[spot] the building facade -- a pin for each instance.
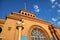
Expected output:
(24, 25)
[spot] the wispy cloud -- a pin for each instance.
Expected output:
(52, 1)
(58, 11)
(54, 19)
(36, 8)
(58, 5)
(53, 6)
(58, 23)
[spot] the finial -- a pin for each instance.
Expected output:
(25, 5)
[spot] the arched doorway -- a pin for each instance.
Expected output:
(37, 33)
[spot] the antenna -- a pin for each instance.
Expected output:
(25, 5)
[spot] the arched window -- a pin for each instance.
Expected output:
(25, 13)
(28, 14)
(31, 15)
(38, 33)
(22, 13)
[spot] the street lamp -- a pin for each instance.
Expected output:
(20, 27)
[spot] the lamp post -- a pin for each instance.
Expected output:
(20, 28)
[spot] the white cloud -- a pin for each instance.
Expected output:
(54, 19)
(53, 6)
(58, 23)
(52, 1)
(58, 5)
(58, 11)
(36, 8)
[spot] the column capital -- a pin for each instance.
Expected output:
(20, 26)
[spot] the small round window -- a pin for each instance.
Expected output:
(22, 13)
(25, 13)
(37, 34)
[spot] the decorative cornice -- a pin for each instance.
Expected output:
(2, 21)
(31, 18)
(17, 16)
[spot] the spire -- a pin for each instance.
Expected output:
(25, 5)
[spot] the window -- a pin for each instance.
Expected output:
(28, 14)
(0, 29)
(37, 34)
(9, 28)
(25, 14)
(31, 15)
(22, 13)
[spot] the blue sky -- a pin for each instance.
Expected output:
(44, 9)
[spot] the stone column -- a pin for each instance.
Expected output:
(20, 31)
(20, 28)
